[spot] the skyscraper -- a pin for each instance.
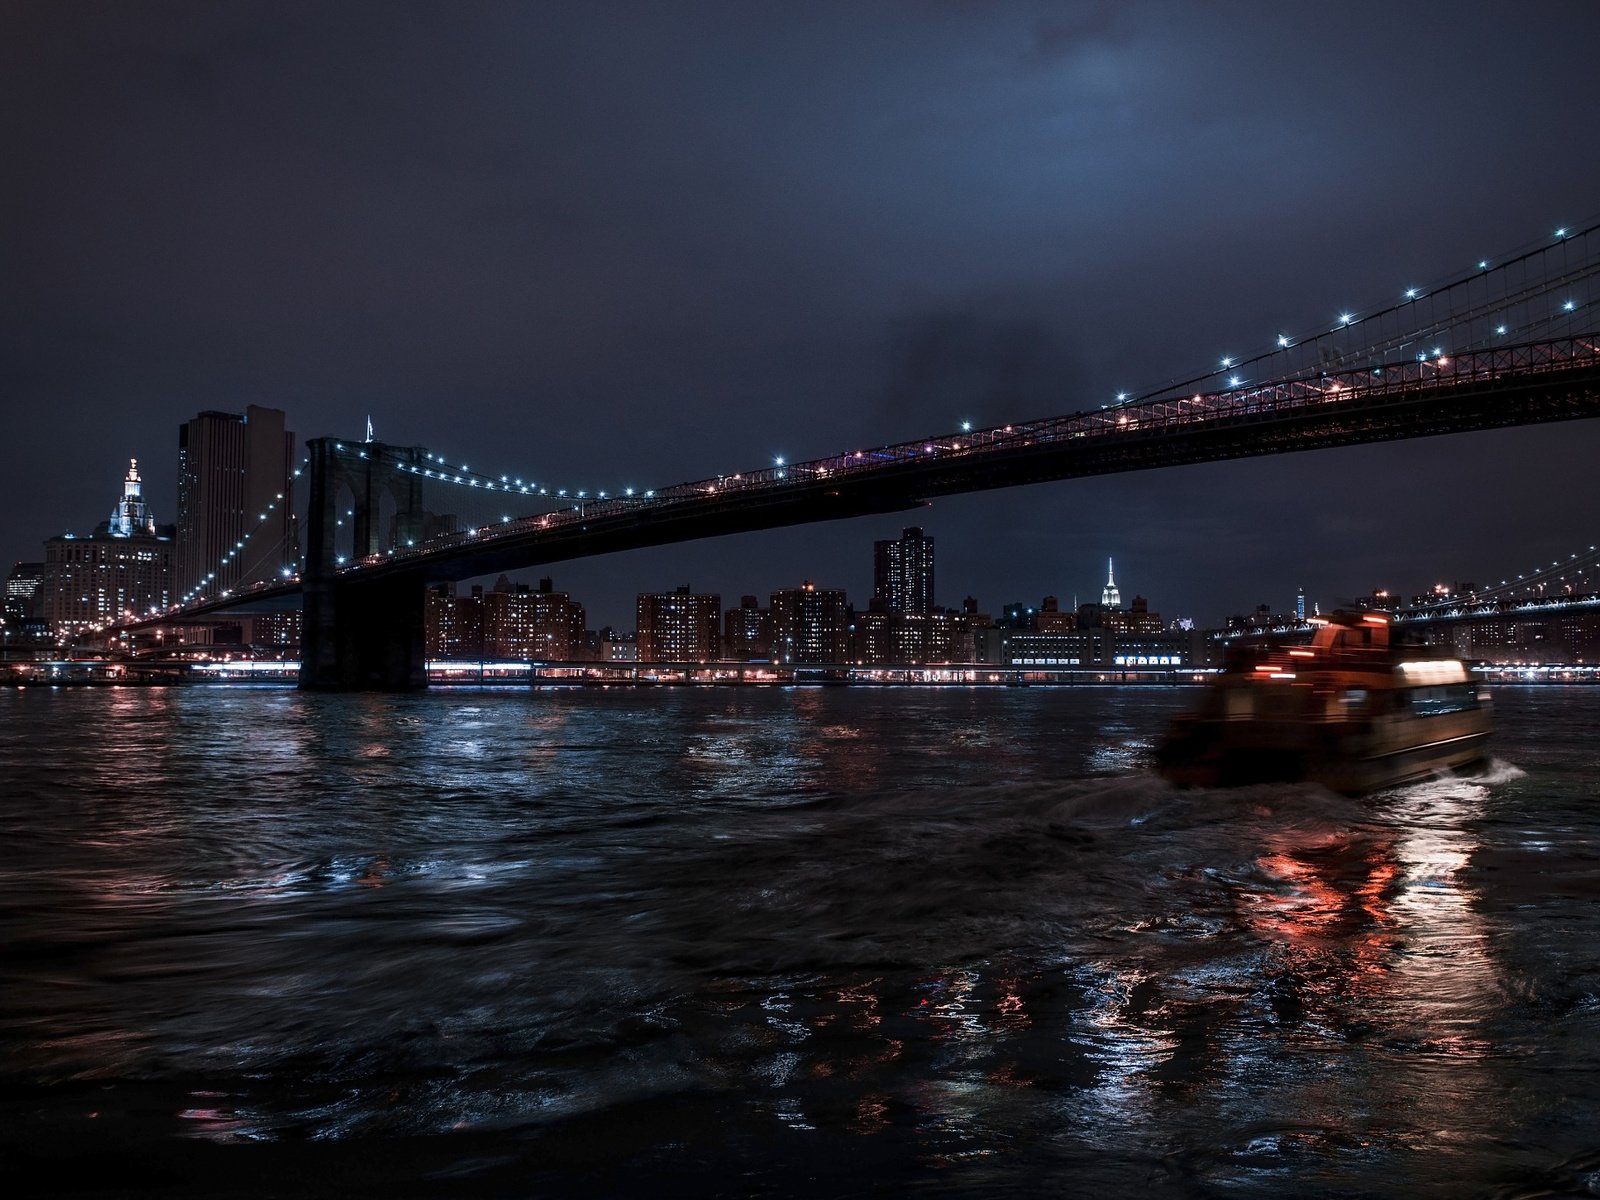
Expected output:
(124, 566)
(902, 575)
(234, 477)
(1110, 597)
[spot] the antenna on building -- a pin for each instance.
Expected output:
(1110, 597)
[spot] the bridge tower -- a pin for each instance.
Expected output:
(362, 634)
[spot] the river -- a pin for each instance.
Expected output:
(785, 942)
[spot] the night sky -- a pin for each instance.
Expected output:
(620, 244)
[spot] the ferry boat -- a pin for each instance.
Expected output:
(1356, 710)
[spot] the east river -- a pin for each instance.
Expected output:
(811, 942)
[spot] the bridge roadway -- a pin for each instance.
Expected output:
(364, 619)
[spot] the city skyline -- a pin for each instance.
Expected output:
(678, 272)
(873, 594)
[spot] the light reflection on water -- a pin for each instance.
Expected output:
(813, 939)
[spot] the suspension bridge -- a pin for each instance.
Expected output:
(1510, 341)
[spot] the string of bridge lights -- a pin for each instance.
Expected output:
(1534, 581)
(236, 551)
(1347, 319)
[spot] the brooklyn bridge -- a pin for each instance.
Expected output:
(1510, 342)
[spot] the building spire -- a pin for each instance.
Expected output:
(131, 516)
(1110, 597)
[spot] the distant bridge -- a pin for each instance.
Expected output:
(1513, 342)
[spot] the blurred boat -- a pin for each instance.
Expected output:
(1356, 710)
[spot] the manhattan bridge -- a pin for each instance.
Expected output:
(1508, 341)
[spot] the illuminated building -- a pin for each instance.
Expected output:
(123, 567)
(526, 625)
(1300, 604)
(747, 632)
(453, 625)
(679, 626)
(231, 468)
(1109, 596)
(810, 625)
(1136, 618)
(902, 573)
(280, 630)
(21, 585)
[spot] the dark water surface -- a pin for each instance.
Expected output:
(778, 942)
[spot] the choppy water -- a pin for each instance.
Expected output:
(778, 942)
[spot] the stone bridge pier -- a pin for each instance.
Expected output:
(361, 634)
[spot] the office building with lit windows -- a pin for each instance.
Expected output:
(902, 573)
(679, 626)
(21, 586)
(529, 625)
(234, 477)
(747, 632)
(810, 625)
(123, 568)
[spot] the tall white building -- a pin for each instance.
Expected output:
(1110, 597)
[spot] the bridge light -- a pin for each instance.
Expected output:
(778, 461)
(1226, 363)
(1562, 232)
(966, 427)
(1500, 329)
(1234, 381)
(1121, 396)
(1483, 264)
(340, 559)
(1569, 306)
(1346, 318)
(1411, 293)
(629, 491)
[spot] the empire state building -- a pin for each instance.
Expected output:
(1109, 596)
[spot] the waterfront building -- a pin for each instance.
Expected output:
(452, 624)
(522, 624)
(124, 567)
(231, 468)
(810, 625)
(747, 632)
(902, 574)
(619, 647)
(679, 626)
